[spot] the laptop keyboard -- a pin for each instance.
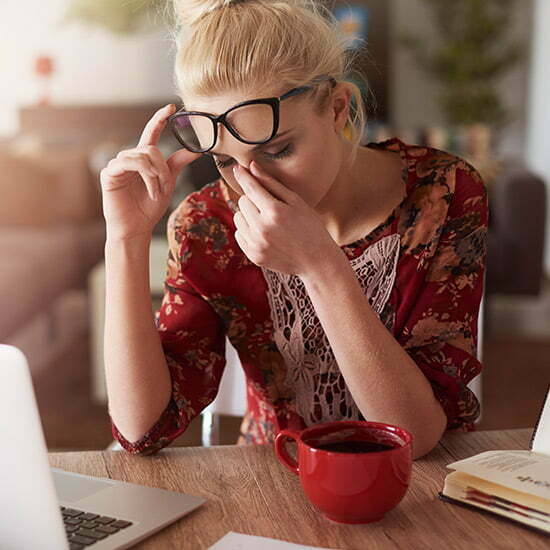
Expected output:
(84, 529)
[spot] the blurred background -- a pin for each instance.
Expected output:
(79, 80)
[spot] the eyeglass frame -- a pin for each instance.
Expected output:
(274, 102)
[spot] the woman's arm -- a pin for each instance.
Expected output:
(385, 382)
(419, 382)
(417, 379)
(164, 368)
(137, 376)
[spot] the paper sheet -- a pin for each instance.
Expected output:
(238, 541)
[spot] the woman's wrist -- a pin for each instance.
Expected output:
(326, 269)
(128, 243)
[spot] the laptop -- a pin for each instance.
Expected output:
(47, 508)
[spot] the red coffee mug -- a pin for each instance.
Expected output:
(350, 487)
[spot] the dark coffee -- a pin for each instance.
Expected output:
(354, 446)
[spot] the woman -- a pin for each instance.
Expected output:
(348, 277)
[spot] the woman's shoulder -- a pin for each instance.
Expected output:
(434, 168)
(212, 199)
(209, 206)
(438, 180)
(443, 190)
(465, 191)
(202, 222)
(430, 166)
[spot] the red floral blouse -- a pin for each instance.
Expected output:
(422, 270)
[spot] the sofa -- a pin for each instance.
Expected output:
(516, 239)
(52, 233)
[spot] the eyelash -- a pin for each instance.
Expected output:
(284, 153)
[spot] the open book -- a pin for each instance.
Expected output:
(513, 484)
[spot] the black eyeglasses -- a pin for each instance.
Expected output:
(253, 121)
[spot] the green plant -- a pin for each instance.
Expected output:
(472, 54)
(118, 16)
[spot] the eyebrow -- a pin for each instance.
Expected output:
(259, 146)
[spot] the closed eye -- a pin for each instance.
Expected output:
(280, 154)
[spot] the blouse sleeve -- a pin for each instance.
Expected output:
(193, 339)
(441, 332)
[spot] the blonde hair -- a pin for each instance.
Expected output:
(247, 45)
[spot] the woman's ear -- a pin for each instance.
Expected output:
(340, 105)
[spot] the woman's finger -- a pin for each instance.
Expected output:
(131, 163)
(154, 127)
(261, 198)
(273, 185)
(255, 191)
(250, 212)
(146, 159)
(242, 242)
(242, 226)
(159, 164)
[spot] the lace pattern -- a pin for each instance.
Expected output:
(321, 392)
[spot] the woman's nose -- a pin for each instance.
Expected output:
(240, 152)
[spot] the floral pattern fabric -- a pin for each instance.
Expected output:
(213, 291)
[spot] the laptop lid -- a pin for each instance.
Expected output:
(30, 498)
(29, 510)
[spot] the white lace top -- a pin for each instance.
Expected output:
(321, 393)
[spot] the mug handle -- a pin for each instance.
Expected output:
(282, 452)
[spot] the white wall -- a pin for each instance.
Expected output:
(538, 142)
(92, 65)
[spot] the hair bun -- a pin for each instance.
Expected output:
(188, 12)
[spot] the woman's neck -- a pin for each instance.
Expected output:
(363, 194)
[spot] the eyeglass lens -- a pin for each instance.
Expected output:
(251, 122)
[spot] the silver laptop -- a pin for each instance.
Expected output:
(46, 508)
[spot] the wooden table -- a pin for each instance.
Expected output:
(248, 491)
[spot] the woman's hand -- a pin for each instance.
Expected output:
(138, 184)
(276, 228)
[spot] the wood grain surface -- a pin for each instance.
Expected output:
(249, 491)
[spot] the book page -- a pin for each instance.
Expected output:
(524, 471)
(541, 436)
(239, 541)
